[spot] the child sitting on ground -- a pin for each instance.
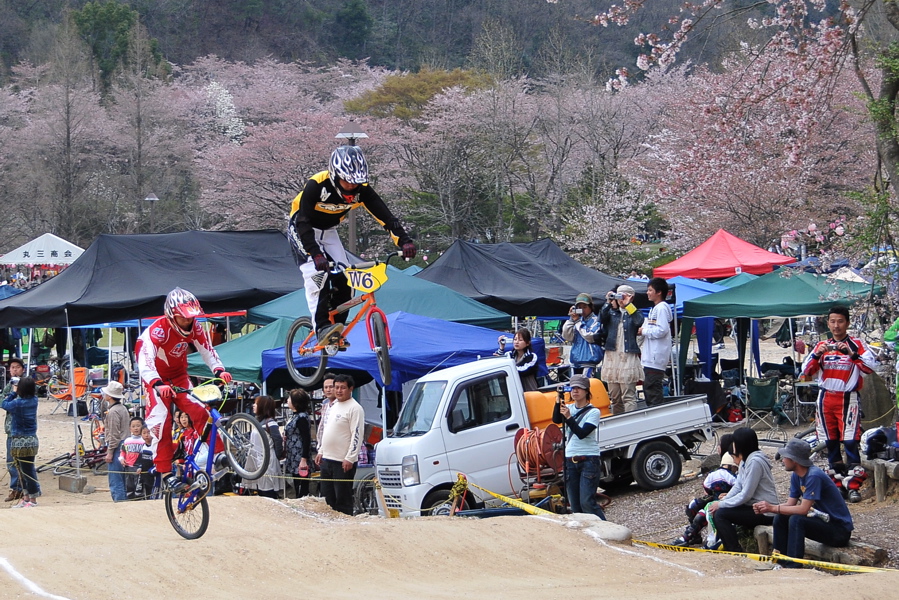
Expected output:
(129, 455)
(716, 485)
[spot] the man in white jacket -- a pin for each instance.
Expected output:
(656, 332)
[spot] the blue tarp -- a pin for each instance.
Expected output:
(9, 290)
(419, 345)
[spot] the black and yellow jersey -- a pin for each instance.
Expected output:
(319, 206)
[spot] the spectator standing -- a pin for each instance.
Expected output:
(338, 454)
(815, 508)
(755, 483)
(582, 466)
(145, 470)
(132, 446)
(270, 482)
(298, 442)
(838, 365)
(621, 368)
(328, 398)
(21, 403)
(656, 352)
(16, 370)
(583, 330)
(524, 357)
(116, 424)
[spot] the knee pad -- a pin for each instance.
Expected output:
(855, 478)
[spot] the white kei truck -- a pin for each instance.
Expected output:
(464, 419)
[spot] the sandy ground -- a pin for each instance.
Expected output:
(82, 546)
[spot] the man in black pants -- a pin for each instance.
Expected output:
(338, 453)
(814, 510)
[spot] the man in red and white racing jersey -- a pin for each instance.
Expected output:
(838, 364)
(162, 361)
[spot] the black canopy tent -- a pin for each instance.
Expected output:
(532, 279)
(122, 277)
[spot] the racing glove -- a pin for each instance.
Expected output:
(165, 392)
(409, 250)
(321, 262)
(223, 375)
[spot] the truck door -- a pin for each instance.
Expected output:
(480, 426)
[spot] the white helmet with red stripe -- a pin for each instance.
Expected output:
(183, 304)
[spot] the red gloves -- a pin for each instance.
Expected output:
(409, 250)
(224, 375)
(165, 392)
(321, 262)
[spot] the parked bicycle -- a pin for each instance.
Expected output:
(64, 464)
(188, 510)
(302, 342)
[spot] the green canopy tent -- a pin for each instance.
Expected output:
(737, 280)
(781, 294)
(401, 293)
(242, 356)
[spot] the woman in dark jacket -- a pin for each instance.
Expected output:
(21, 404)
(524, 357)
(298, 441)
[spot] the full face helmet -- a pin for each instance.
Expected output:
(348, 164)
(183, 304)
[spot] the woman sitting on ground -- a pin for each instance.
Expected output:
(755, 483)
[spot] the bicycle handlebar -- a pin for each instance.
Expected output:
(367, 264)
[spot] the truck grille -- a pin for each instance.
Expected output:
(393, 503)
(390, 479)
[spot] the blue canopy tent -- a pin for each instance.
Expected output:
(420, 345)
(9, 290)
(400, 293)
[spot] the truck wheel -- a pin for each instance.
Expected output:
(439, 504)
(656, 465)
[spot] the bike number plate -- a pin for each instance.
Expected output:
(367, 280)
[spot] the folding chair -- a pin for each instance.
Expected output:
(762, 403)
(63, 392)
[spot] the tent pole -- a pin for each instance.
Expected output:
(74, 401)
(28, 358)
(109, 356)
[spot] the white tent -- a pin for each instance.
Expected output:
(47, 249)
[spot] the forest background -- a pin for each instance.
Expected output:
(488, 120)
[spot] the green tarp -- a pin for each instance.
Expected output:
(242, 356)
(780, 294)
(401, 293)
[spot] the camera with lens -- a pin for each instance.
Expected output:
(832, 348)
(578, 311)
(14, 381)
(563, 388)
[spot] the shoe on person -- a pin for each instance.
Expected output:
(14, 495)
(855, 496)
(221, 461)
(24, 504)
(330, 334)
(174, 484)
(681, 541)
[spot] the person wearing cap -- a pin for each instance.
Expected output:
(583, 330)
(715, 485)
(117, 425)
(16, 370)
(815, 508)
(582, 466)
(621, 368)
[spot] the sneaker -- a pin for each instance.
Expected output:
(174, 484)
(14, 495)
(221, 461)
(855, 496)
(330, 334)
(24, 504)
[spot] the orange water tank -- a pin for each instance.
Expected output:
(540, 404)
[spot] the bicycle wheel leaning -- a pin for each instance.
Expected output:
(248, 460)
(54, 462)
(382, 348)
(189, 516)
(300, 341)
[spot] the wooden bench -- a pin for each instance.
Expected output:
(856, 553)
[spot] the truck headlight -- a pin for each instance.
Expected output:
(410, 471)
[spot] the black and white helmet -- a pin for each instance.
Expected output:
(348, 163)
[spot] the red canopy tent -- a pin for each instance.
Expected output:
(722, 255)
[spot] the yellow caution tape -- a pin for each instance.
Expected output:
(516, 503)
(776, 557)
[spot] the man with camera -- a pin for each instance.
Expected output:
(582, 466)
(621, 369)
(583, 330)
(838, 365)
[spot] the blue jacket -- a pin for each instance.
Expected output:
(580, 334)
(24, 414)
(610, 319)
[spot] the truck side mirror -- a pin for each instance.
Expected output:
(457, 420)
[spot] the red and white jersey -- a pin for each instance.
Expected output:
(837, 372)
(162, 351)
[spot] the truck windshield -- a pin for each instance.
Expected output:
(419, 410)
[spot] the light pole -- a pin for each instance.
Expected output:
(351, 132)
(152, 199)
